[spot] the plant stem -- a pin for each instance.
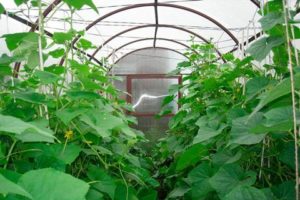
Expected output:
(290, 66)
(92, 148)
(125, 182)
(10, 153)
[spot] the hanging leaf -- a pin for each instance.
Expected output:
(58, 53)
(46, 77)
(80, 95)
(262, 47)
(103, 123)
(285, 191)
(50, 184)
(18, 127)
(256, 85)
(31, 97)
(271, 19)
(245, 193)
(241, 131)
(62, 37)
(191, 156)
(287, 155)
(85, 44)
(68, 114)
(19, 2)
(103, 182)
(2, 9)
(147, 194)
(229, 177)
(205, 133)
(280, 90)
(198, 178)
(9, 187)
(78, 4)
(5, 71)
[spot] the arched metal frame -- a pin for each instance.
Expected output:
(155, 4)
(154, 25)
(145, 39)
(145, 48)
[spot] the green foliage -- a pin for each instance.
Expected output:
(2, 9)
(62, 126)
(78, 4)
(51, 184)
(241, 115)
(65, 134)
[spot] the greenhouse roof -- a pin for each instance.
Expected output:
(123, 26)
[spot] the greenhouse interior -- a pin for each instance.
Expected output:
(149, 99)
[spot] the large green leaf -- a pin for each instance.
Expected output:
(79, 95)
(9, 187)
(178, 192)
(68, 114)
(2, 9)
(31, 97)
(256, 85)
(78, 4)
(62, 37)
(49, 184)
(285, 191)
(280, 90)
(271, 19)
(245, 193)
(20, 2)
(199, 178)
(13, 40)
(46, 77)
(54, 154)
(124, 192)
(191, 156)
(102, 181)
(18, 128)
(278, 119)
(287, 154)
(205, 133)
(57, 53)
(140, 175)
(241, 131)
(262, 47)
(230, 176)
(147, 194)
(102, 122)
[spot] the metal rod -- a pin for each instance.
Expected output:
(154, 25)
(144, 39)
(145, 48)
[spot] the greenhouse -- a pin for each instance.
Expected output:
(149, 99)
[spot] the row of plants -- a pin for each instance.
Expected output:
(64, 133)
(235, 136)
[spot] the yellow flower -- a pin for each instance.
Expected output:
(69, 135)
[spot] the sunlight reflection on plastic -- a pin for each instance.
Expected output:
(144, 96)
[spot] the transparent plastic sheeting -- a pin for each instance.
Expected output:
(148, 94)
(238, 16)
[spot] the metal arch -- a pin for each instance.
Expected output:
(166, 5)
(156, 22)
(145, 48)
(144, 39)
(255, 2)
(154, 25)
(160, 5)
